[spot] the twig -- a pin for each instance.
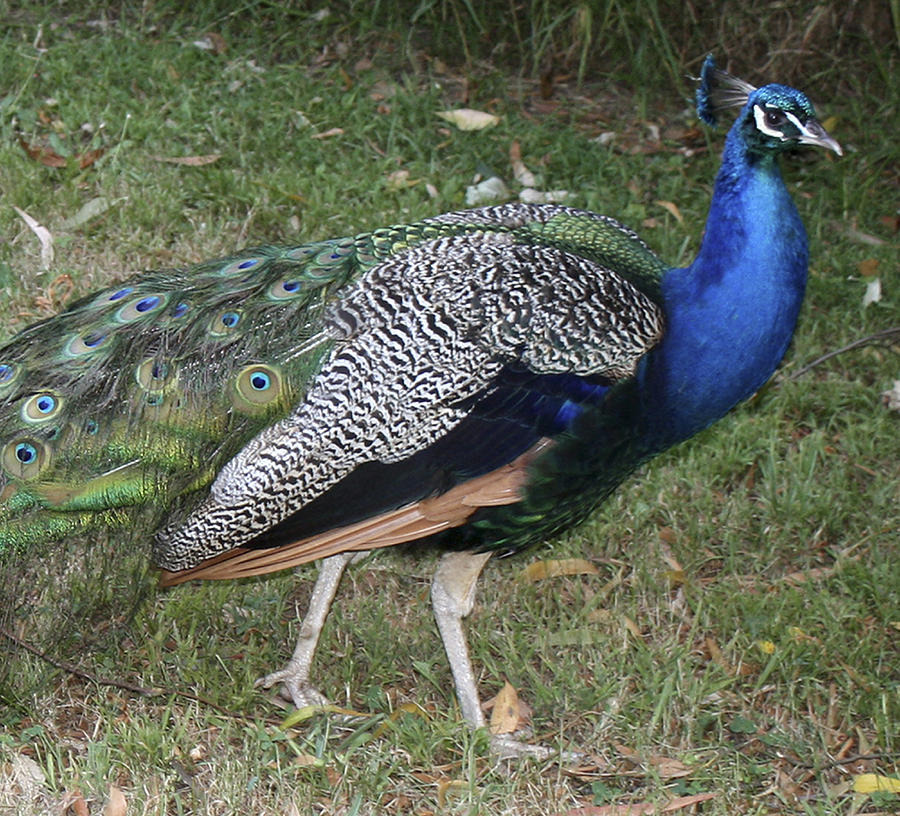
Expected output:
(883, 336)
(71, 668)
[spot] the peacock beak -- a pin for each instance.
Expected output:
(812, 133)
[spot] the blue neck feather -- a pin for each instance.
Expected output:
(731, 313)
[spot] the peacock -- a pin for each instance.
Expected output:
(481, 380)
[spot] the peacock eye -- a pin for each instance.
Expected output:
(775, 118)
(256, 388)
(24, 458)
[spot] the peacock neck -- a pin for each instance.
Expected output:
(731, 313)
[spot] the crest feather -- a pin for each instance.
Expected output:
(719, 90)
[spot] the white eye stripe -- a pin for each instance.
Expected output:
(795, 120)
(759, 114)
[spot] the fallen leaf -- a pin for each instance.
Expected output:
(90, 210)
(529, 196)
(73, 801)
(492, 189)
(327, 134)
(43, 235)
(542, 570)
(892, 222)
(505, 711)
(641, 808)
(468, 119)
(669, 768)
(59, 291)
(891, 399)
(872, 783)
(873, 292)
(861, 237)
(115, 803)
(211, 41)
(715, 654)
(520, 172)
(50, 158)
(190, 161)
(676, 577)
(27, 776)
(868, 268)
(632, 627)
(451, 787)
(302, 760)
(400, 180)
(672, 208)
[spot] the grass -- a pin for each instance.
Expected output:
(741, 636)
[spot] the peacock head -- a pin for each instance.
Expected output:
(773, 117)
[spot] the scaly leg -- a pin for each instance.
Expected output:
(295, 675)
(452, 597)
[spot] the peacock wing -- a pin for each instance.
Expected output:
(422, 342)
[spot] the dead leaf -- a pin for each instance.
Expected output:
(892, 222)
(669, 768)
(400, 180)
(468, 119)
(327, 134)
(59, 291)
(73, 801)
(520, 172)
(872, 783)
(115, 803)
(632, 627)
(530, 196)
(715, 654)
(190, 161)
(672, 208)
(542, 570)
(861, 237)
(211, 41)
(873, 292)
(50, 158)
(492, 189)
(90, 210)
(505, 711)
(25, 776)
(302, 760)
(868, 268)
(891, 399)
(43, 235)
(451, 787)
(641, 808)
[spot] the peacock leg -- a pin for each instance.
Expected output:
(452, 597)
(295, 676)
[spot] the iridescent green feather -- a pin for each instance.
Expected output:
(117, 415)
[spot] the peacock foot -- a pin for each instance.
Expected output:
(295, 687)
